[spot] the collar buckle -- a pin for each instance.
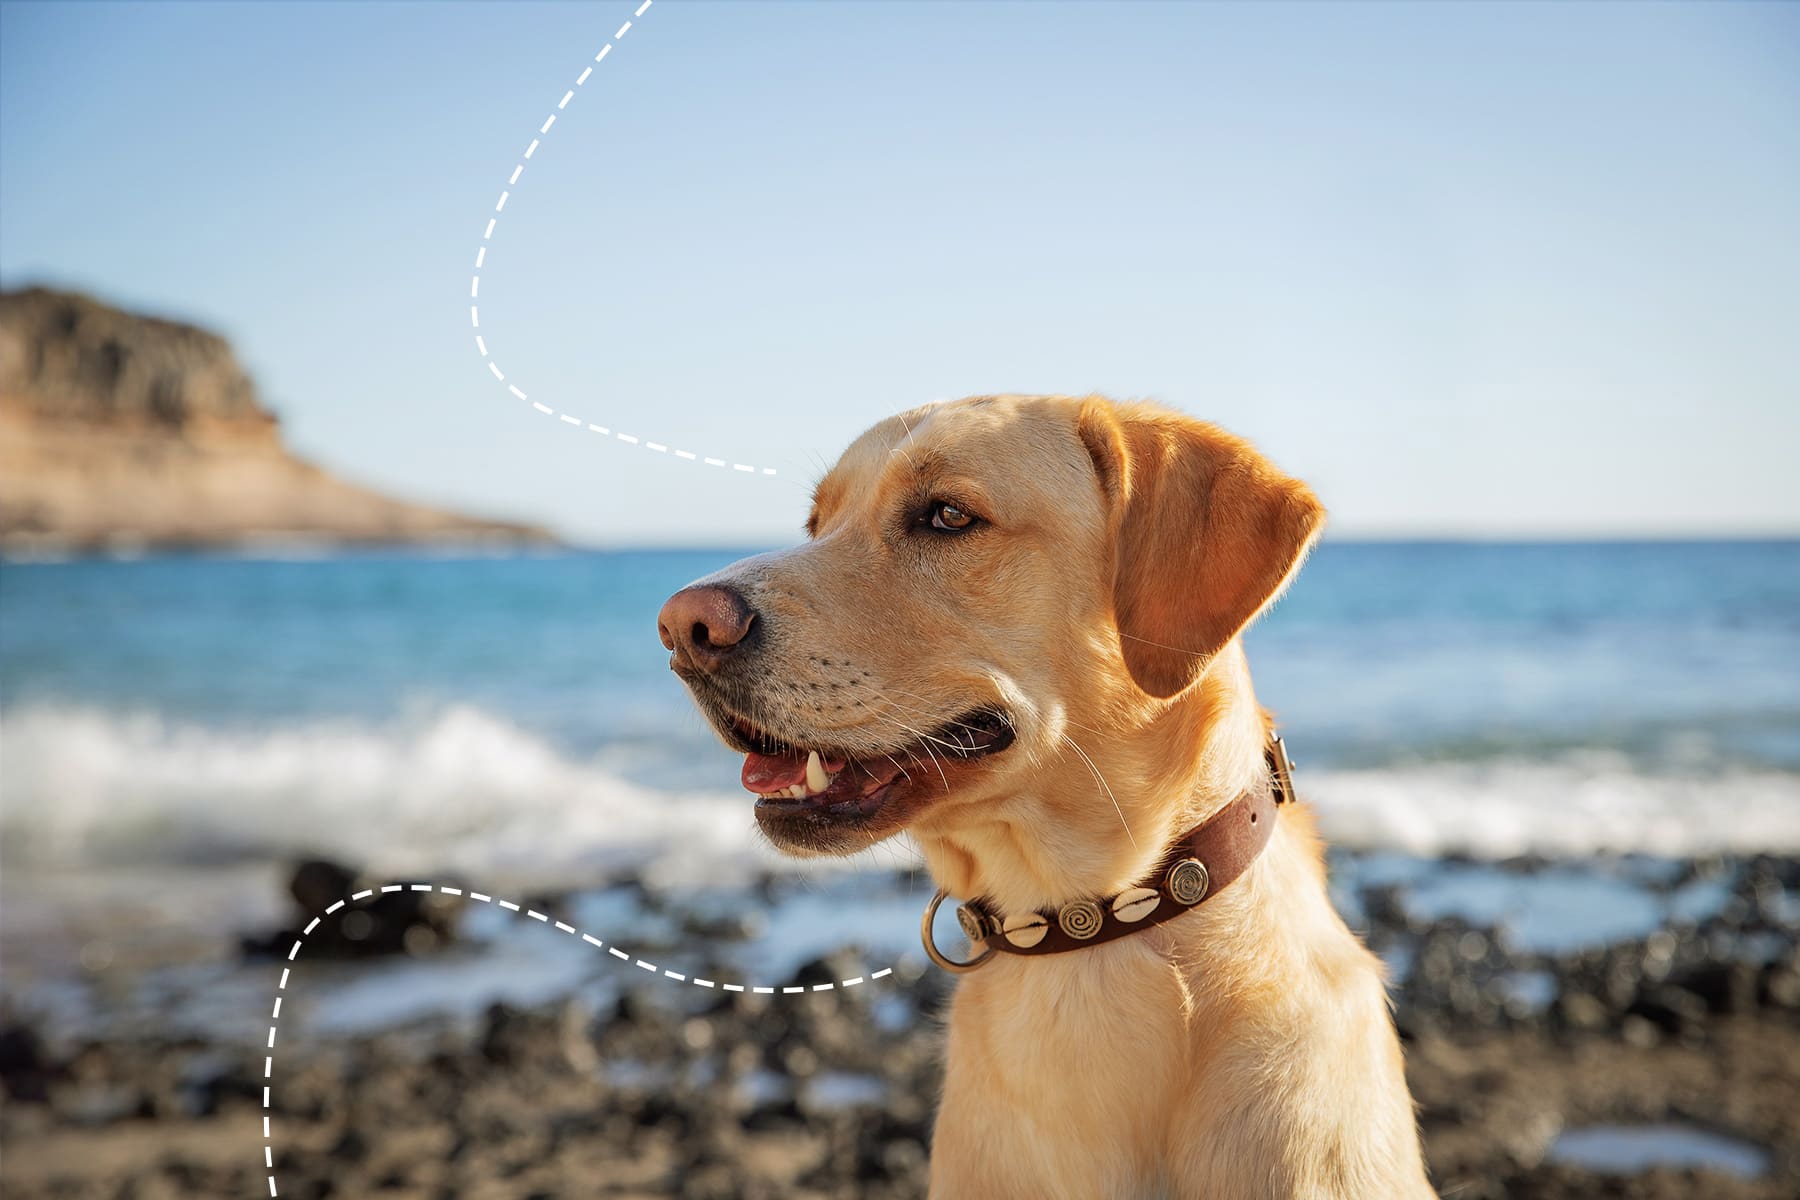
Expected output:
(1282, 770)
(965, 918)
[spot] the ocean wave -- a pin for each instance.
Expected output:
(1579, 803)
(457, 790)
(465, 790)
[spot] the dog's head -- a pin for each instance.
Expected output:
(979, 578)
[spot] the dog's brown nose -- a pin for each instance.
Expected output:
(703, 624)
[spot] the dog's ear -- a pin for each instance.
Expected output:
(1206, 533)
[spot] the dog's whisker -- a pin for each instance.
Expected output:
(1006, 717)
(925, 741)
(932, 755)
(898, 766)
(922, 737)
(901, 448)
(950, 723)
(1126, 825)
(1131, 637)
(889, 692)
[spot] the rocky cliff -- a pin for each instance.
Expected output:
(125, 431)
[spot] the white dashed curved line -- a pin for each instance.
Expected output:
(482, 897)
(481, 258)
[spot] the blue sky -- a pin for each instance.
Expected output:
(1479, 270)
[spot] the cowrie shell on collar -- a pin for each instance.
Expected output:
(1135, 904)
(1025, 930)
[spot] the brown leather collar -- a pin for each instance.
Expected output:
(1199, 866)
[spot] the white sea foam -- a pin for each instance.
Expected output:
(1570, 806)
(468, 791)
(461, 790)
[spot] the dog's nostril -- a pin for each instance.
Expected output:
(702, 624)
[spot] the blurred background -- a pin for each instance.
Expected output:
(299, 599)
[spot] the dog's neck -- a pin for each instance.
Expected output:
(1107, 812)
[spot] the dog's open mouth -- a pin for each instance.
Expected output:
(822, 780)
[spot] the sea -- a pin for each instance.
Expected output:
(175, 729)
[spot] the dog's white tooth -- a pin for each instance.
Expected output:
(816, 779)
(797, 792)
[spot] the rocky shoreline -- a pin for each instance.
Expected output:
(1534, 1069)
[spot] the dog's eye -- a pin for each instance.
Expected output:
(948, 518)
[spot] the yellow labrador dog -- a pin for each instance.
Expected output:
(1013, 633)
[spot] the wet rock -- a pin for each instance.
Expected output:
(716, 928)
(832, 969)
(407, 921)
(317, 884)
(777, 1114)
(1724, 987)
(1671, 1010)
(351, 1146)
(26, 1071)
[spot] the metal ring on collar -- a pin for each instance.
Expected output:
(938, 956)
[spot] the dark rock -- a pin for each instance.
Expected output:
(1724, 987)
(408, 921)
(352, 1146)
(832, 968)
(1670, 1009)
(317, 884)
(777, 1114)
(26, 1071)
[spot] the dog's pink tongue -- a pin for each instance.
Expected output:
(764, 773)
